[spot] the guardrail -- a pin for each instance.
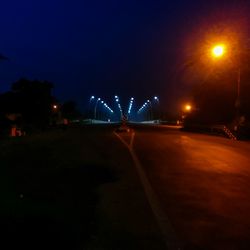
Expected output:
(229, 133)
(219, 129)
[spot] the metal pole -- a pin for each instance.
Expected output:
(89, 108)
(237, 102)
(238, 86)
(151, 111)
(96, 108)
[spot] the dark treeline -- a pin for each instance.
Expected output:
(216, 102)
(216, 99)
(30, 104)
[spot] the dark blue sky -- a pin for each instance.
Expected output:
(100, 47)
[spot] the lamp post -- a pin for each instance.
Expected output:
(151, 111)
(157, 109)
(156, 99)
(119, 107)
(188, 108)
(99, 99)
(92, 98)
(237, 102)
(130, 107)
(218, 51)
(185, 111)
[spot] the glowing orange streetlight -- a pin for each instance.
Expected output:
(188, 107)
(185, 111)
(218, 50)
(54, 106)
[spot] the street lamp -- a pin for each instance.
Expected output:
(119, 106)
(218, 51)
(188, 108)
(99, 99)
(151, 110)
(107, 111)
(130, 106)
(91, 99)
(157, 107)
(185, 111)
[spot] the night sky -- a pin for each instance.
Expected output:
(104, 47)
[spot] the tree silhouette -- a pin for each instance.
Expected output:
(34, 99)
(31, 99)
(69, 110)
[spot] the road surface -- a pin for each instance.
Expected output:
(152, 188)
(202, 184)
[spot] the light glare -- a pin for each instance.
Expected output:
(218, 50)
(188, 107)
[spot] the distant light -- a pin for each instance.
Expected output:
(148, 101)
(99, 99)
(92, 97)
(54, 106)
(156, 98)
(102, 101)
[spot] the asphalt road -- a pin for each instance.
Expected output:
(73, 189)
(149, 188)
(200, 184)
